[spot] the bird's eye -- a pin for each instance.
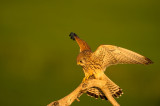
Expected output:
(80, 61)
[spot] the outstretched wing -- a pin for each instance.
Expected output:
(96, 92)
(109, 55)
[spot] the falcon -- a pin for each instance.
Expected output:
(95, 63)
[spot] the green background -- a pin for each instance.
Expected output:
(38, 59)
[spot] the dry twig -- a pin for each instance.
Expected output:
(82, 88)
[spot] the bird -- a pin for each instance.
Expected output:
(95, 63)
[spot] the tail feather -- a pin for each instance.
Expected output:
(73, 35)
(82, 44)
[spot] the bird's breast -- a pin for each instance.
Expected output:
(92, 69)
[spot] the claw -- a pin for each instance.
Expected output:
(87, 77)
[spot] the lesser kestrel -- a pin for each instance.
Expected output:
(95, 63)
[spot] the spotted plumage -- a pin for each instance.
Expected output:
(95, 63)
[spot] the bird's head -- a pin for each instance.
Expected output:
(85, 51)
(83, 58)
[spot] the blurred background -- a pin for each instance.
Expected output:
(38, 59)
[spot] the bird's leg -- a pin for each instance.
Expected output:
(89, 75)
(99, 74)
(85, 78)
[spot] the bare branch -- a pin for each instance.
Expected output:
(82, 88)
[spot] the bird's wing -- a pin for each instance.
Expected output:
(109, 55)
(96, 92)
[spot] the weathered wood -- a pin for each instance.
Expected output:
(82, 88)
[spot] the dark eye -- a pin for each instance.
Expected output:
(80, 61)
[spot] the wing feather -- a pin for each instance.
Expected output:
(109, 55)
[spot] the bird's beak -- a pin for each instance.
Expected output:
(78, 63)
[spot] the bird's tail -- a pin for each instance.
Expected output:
(96, 92)
(82, 44)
